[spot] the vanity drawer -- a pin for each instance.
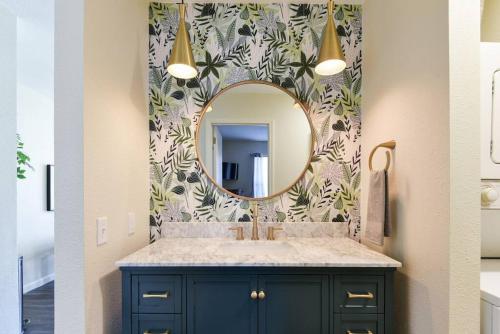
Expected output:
(358, 294)
(157, 294)
(359, 324)
(157, 324)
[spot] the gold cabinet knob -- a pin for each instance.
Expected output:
(253, 295)
(262, 295)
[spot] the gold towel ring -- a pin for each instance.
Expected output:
(389, 145)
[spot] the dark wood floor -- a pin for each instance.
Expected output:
(39, 308)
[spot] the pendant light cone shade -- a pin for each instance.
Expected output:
(331, 59)
(181, 63)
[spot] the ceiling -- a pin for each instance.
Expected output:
(244, 132)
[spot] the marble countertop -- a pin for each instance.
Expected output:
(289, 252)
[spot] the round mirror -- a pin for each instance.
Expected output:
(254, 140)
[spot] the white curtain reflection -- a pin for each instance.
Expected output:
(260, 177)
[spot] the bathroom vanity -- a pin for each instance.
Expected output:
(257, 133)
(295, 285)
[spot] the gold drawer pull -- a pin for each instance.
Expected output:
(367, 332)
(262, 295)
(163, 295)
(351, 295)
(165, 332)
(253, 295)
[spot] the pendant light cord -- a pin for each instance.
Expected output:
(331, 6)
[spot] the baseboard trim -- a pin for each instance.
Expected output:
(38, 283)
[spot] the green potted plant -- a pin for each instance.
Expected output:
(23, 160)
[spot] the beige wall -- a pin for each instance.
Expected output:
(116, 139)
(101, 154)
(465, 224)
(420, 75)
(490, 25)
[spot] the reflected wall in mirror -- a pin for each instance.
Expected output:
(254, 140)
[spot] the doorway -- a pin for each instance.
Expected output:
(32, 83)
(241, 158)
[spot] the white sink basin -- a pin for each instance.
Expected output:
(257, 247)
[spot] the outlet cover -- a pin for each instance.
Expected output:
(102, 231)
(131, 223)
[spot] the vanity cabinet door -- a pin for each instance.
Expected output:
(221, 304)
(293, 304)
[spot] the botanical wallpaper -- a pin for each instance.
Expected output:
(271, 42)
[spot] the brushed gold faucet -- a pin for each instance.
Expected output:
(239, 232)
(271, 232)
(255, 226)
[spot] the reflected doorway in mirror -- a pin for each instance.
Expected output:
(240, 158)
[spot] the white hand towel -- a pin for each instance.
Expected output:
(378, 223)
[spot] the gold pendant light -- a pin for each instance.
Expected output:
(331, 59)
(181, 63)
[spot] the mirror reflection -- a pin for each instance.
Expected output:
(254, 140)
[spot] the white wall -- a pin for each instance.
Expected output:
(35, 124)
(68, 139)
(102, 119)
(490, 62)
(421, 89)
(9, 302)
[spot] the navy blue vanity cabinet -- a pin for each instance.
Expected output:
(257, 300)
(221, 304)
(293, 304)
(156, 323)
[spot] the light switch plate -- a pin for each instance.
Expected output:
(102, 231)
(131, 223)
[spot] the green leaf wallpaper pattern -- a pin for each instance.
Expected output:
(271, 42)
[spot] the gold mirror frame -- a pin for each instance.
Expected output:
(197, 139)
